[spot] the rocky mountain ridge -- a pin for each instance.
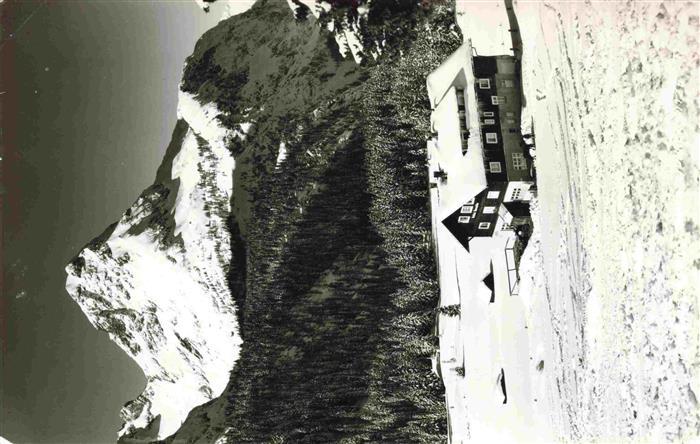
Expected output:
(261, 290)
(156, 280)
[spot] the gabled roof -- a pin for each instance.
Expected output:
(488, 281)
(461, 231)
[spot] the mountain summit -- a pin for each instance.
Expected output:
(276, 282)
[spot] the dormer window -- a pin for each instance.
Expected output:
(498, 100)
(484, 225)
(491, 138)
(484, 84)
(495, 167)
(464, 219)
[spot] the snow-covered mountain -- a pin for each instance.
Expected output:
(156, 280)
(291, 222)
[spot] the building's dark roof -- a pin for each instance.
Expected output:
(488, 281)
(464, 232)
(458, 231)
(485, 66)
(518, 208)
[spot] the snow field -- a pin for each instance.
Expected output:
(613, 90)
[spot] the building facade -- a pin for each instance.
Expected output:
(506, 160)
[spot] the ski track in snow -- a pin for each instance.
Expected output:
(613, 89)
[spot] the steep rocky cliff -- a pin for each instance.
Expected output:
(290, 297)
(156, 280)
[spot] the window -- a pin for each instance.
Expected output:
(493, 194)
(510, 114)
(516, 194)
(460, 99)
(489, 210)
(510, 121)
(508, 83)
(488, 114)
(489, 121)
(466, 209)
(484, 225)
(484, 83)
(513, 130)
(495, 167)
(491, 138)
(519, 161)
(464, 219)
(498, 100)
(471, 201)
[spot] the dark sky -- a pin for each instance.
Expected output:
(88, 98)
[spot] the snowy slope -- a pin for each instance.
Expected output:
(486, 337)
(603, 335)
(156, 281)
(613, 91)
(227, 8)
(346, 32)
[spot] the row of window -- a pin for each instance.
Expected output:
(469, 209)
(509, 114)
(467, 219)
(508, 121)
(519, 163)
(486, 83)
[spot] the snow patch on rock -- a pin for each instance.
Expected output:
(203, 119)
(348, 41)
(157, 282)
(281, 154)
(203, 4)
